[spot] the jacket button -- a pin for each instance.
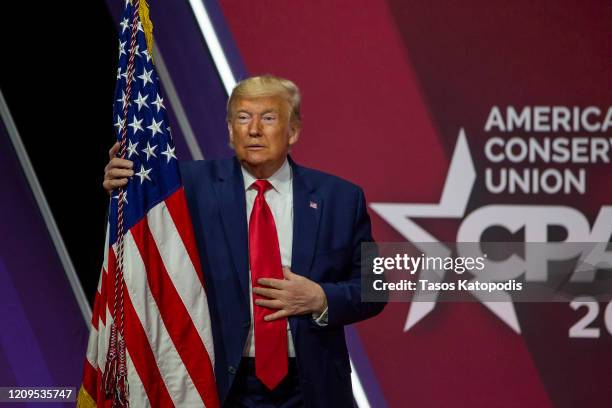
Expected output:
(232, 370)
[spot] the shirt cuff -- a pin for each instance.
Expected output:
(320, 319)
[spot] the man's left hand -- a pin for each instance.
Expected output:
(294, 295)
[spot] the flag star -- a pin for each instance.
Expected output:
(146, 77)
(124, 197)
(119, 73)
(119, 124)
(136, 50)
(155, 127)
(143, 174)
(123, 99)
(124, 25)
(121, 48)
(150, 151)
(141, 100)
(140, 27)
(169, 153)
(159, 103)
(136, 124)
(131, 149)
(146, 54)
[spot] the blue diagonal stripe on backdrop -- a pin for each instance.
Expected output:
(17, 339)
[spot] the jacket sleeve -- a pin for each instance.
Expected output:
(344, 298)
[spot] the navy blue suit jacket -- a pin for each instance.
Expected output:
(330, 222)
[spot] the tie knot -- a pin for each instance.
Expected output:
(262, 186)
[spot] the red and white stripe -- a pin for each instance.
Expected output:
(170, 355)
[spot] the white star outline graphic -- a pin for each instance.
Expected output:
(453, 203)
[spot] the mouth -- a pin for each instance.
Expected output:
(255, 147)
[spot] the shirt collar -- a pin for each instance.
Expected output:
(281, 180)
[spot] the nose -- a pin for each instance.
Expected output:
(255, 127)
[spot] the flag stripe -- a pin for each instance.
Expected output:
(146, 311)
(95, 314)
(138, 395)
(99, 395)
(90, 376)
(182, 273)
(177, 206)
(174, 314)
(103, 339)
(144, 359)
(103, 298)
(92, 350)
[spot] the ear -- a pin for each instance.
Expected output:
(231, 134)
(294, 135)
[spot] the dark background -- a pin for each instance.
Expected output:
(58, 73)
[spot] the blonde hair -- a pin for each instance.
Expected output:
(268, 85)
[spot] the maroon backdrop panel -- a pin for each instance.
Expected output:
(387, 86)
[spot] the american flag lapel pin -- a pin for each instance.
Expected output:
(313, 205)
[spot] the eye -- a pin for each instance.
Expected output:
(269, 118)
(243, 118)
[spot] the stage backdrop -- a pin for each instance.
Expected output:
(444, 109)
(388, 89)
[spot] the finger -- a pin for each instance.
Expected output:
(118, 173)
(273, 283)
(110, 185)
(113, 151)
(287, 273)
(118, 163)
(277, 315)
(270, 303)
(267, 292)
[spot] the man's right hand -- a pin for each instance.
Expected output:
(117, 171)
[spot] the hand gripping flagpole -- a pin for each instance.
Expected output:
(115, 381)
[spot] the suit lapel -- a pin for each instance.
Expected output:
(307, 208)
(232, 204)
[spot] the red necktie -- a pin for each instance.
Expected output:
(264, 253)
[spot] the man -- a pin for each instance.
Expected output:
(280, 247)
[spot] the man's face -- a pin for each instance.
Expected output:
(261, 133)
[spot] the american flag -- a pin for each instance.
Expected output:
(160, 308)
